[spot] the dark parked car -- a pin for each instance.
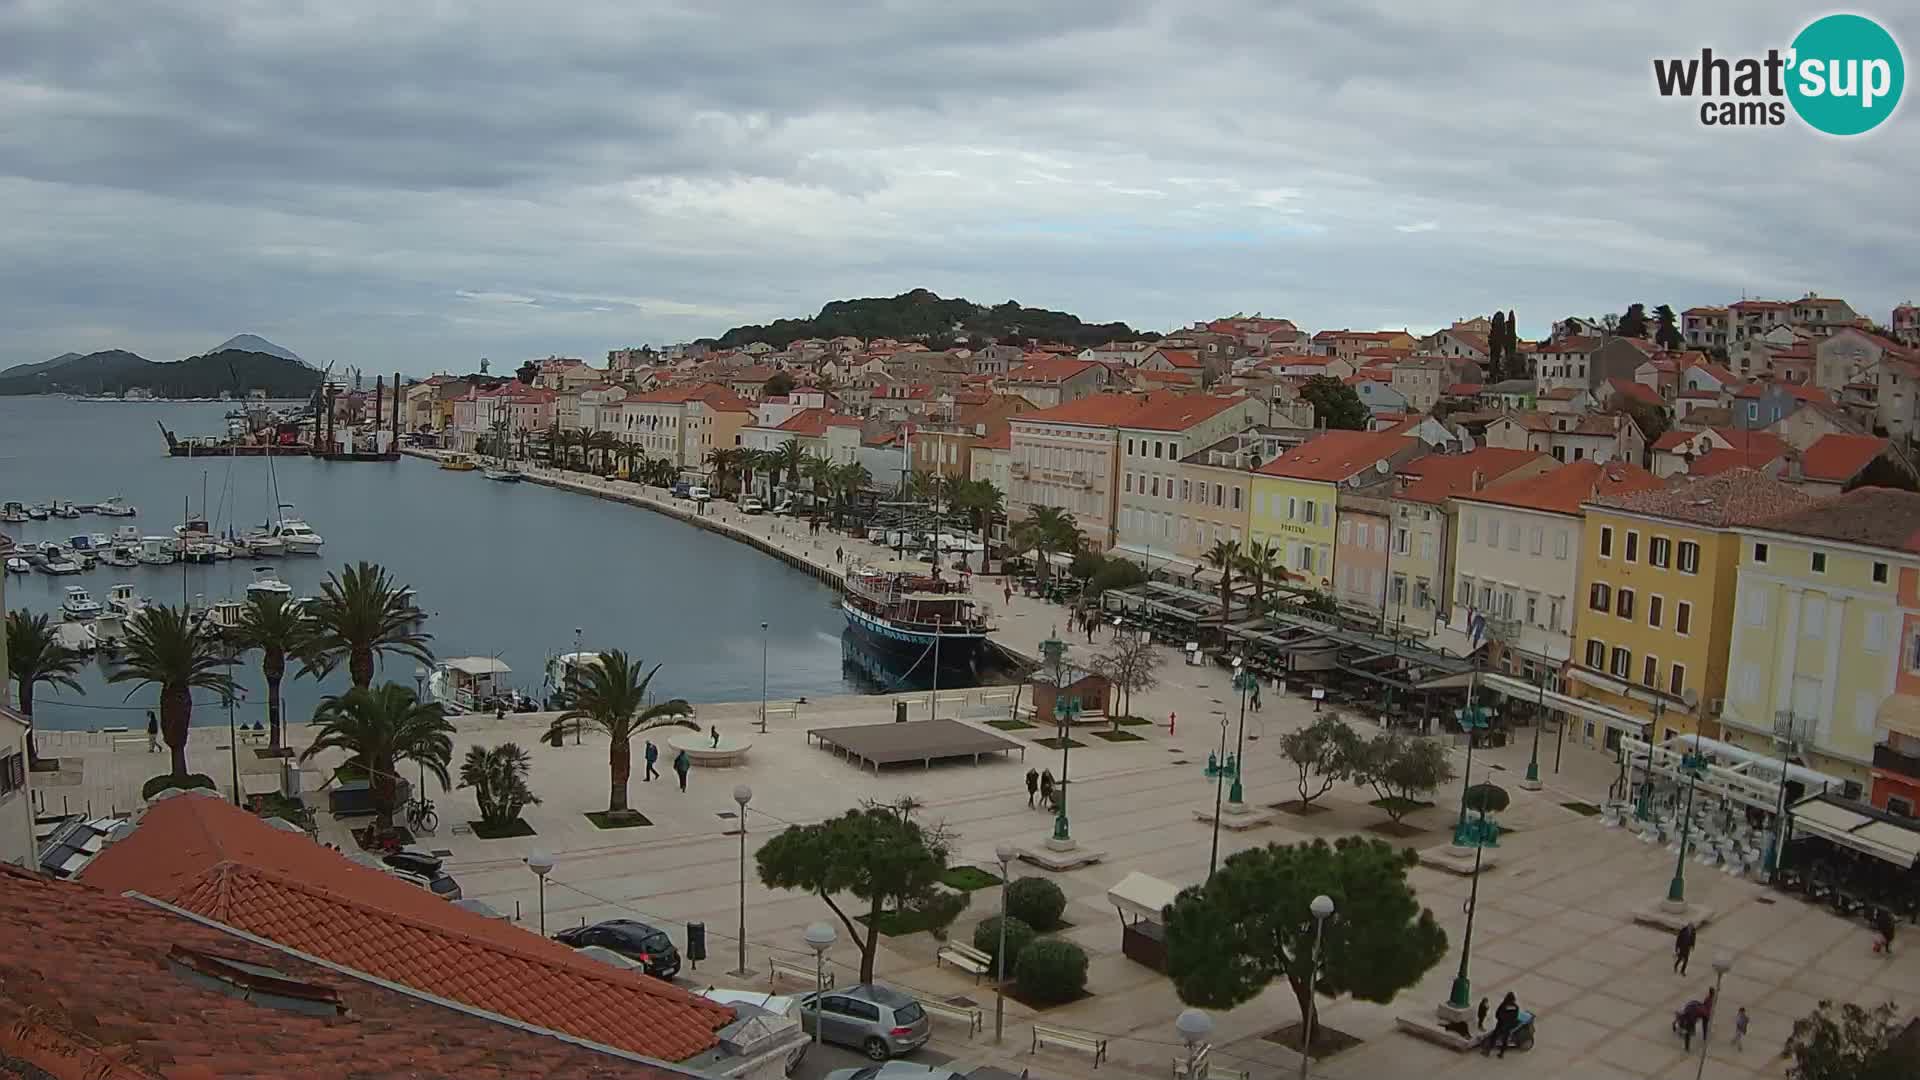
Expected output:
(634, 940)
(414, 860)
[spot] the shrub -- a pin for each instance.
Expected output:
(986, 938)
(939, 908)
(1052, 970)
(1036, 902)
(160, 783)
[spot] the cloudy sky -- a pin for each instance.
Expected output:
(417, 185)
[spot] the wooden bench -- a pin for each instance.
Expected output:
(1204, 1069)
(129, 740)
(969, 1015)
(965, 957)
(1067, 1039)
(797, 972)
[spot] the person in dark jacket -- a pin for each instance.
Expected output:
(682, 763)
(1683, 947)
(1033, 786)
(1046, 790)
(153, 733)
(653, 756)
(1485, 1004)
(1505, 1019)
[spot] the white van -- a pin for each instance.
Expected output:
(699, 494)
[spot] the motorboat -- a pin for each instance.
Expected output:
(80, 604)
(466, 684)
(509, 474)
(39, 512)
(564, 675)
(157, 550)
(115, 507)
(298, 536)
(79, 636)
(126, 536)
(195, 526)
(87, 543)
(458, 463)
(62, 565)
(224, 615)
(18, 565)
(108, 631)
(266, 582)
(13, 511)
(121, 555)
(122, 601)
(61, 508)
(262, 542)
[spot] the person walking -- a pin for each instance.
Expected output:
(1033, 786)
(153, 733)
(681, 763)
(653, 756)
(1256, 696)
(1739, 1027)
(1485, 1004)
(1046, 790)
(1683, 947)
(1007, 587)
(1688, 1017)
(1505, 1019)
(1883, 932)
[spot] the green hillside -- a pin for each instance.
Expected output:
(116, 371)
(922, 316)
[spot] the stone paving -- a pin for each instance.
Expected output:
(1553, 922)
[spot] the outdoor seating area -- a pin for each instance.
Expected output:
(1851, 858)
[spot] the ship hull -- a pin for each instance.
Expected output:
(959, 652)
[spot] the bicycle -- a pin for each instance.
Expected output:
(421, 816)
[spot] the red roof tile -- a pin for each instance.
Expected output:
(1724, 459)
(1180, 358)
(1735, 497)
(1754, 442)
(1439, 477)
(815, 422)
(104, 1003)
(1640, 392)
(219, 861)
(1873, 516)
(1050, 370)
(1840, 458)
(1565, 488)
(1336, 455)
(1674, 439)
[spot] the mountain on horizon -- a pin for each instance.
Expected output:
(115, 371)
(255, 343)
(921, 315)
(32, 368)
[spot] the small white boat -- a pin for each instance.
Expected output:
(510, 474)
(261, 542)
(226, 614)
(156, 550)
(468, 683)
(115, 507)
(80, 604)
(122, 601)
(78, 636)
(266, 582)
(62, 565)
(121, 555)
(13, 511)
(108, 629)
(298, 536)
(39, 512)
(126, 535)
(61, 508)
(87, 543)
(18, 565)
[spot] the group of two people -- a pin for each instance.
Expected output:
(681, 762)
(1041, 785)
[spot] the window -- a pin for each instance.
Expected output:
(1346, 532)
(1473, 527)
(1426, 545)
(1606, 542)
(1533, 608)
(1596, 654)
(1464, 594)
(1650, 672)
(1130, 450)
(1554, 604)
(1659, 552)
(1560, 544)
(1156, 485)
(1601, 597)
(1633, 547)
(1186, 491)
(1813, 616)
(1236, 499)
(1689, 557)
(1156, 448)
(1538, 540)
(1653, 611)
(1218, 497)
(1126, 483)
(1622, 667)
(1399, 590)
(1400, 542)
(1879, 573)
(1913, 653)
(1293, 508)
(1759, 553)
(1819, 562)
(1486, 597)
(1683, 618)
(1876, 632)
(1493, 532)
(1624, 604)
(1677, 679)
(1513, 538)
(1309, 511)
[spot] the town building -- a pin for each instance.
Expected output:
(1216, 488)
(1296, 495)
(1905, 325)
(1421, 563)
(683, 422)
(1056, 380)
(1152, 438)
(1067, 457)
(1420, 380)
(1658, 570)
(1834, 462)
(1826, 641)
(1568, 437)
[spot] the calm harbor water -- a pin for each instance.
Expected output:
(506, 570)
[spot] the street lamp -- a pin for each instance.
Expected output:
(1722, 963)
(420, 682)
(819, 937)
(1532, 782)
(1004, 853)
(541, 864)
(1472, 719)
(1219, 767)
(1693, 765)
(1243, 682)
(1322, 907)
(1054, 652)
(1788, 739)
(1194, 1026)
(742, 794)
(763, 679)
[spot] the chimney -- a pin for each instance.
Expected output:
(1476, 480)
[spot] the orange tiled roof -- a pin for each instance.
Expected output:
(815, 422)
(1049, 370)
(1180, 358)
(1439, 477)
(1754, 441)
(221, 862)
(1735, 497)
(1640, 392)
(104, 1004)
(1840, 458)
(1673, 439)
(1336, 455)
(1565, 488)
(1879, 517)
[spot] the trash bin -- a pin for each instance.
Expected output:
(899, 712)
(696, 941)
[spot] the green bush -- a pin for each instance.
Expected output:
(1036, 902)
(986, 938)
(160, 783)
(1052, 970)
(939, 908)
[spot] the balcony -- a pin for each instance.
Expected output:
(1897, 761)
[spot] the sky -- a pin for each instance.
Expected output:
(415, 186)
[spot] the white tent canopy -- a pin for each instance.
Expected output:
(1834, 822)
(1142, 896)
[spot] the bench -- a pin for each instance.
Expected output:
(1067, 1039)
(1204, 1069)
(129, 740)
(798, 972)
(969, 1015)
(965, 957)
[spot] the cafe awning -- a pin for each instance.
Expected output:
(1143, 896)
(1836, 822)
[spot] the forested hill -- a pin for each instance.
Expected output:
(116, 371)
(921, 316)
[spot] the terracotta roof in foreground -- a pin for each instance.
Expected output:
(95, 988)
(1440, 477)
(1737, 497)
(1871, 516)
(1563, 490)
(1336, 455)
(1840, 458)
(223, 863)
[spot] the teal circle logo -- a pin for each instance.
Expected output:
(1846, 74)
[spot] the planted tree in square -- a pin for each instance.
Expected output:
(1324, 753)
(498, 777)
(1401, 770)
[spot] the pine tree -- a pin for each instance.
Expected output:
(1666, 334)
(1513, 346)
(1634, 323)
(1496, 347)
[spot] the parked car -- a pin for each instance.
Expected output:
(632, 939)
(699, 494)
(440, 884)
(895, 1070)
(414, 860)
(751, 505)
(680, 489)
(882, 1022)
(785, 507)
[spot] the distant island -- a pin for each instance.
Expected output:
(114, 372)
(922, 316)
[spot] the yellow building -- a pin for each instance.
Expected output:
(1296, 495)
(1654, 616)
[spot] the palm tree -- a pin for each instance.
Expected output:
(659, 472)
(1048, 529)
(1224, 556)
(279, 630)
(981, 502)
(379, 729)
(361, 615)
(583, 438)
(818, 472)
(607, 445)
(35, 655)
(1262, 563)
(788, 460)
(164, 647)
(848, 482)
(612, 697)
(724, 461)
